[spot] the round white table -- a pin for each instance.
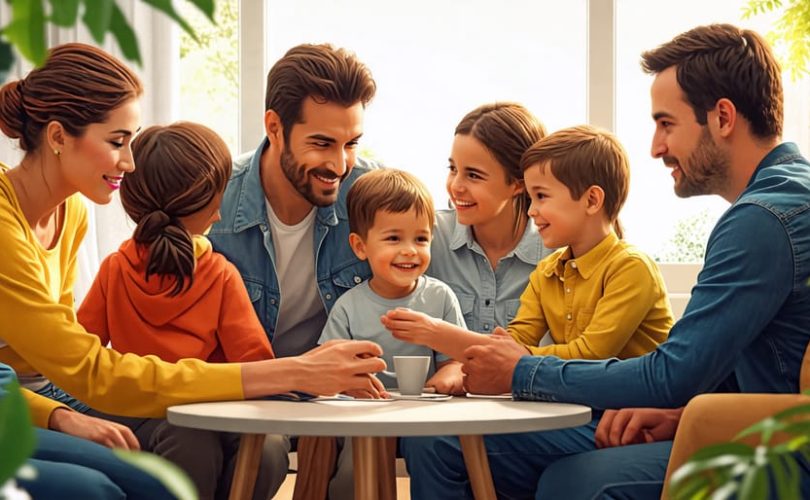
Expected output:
(369, 423)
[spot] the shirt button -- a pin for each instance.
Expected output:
(358, 280)
(574, 265)
(567, 290)
(486, 326)
(487, 302)
(328, 296)
(568, 316)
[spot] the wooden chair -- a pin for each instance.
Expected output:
(714, 418)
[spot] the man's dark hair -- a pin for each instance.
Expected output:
(723, 61)
(323, 72)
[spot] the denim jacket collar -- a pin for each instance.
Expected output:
(787, 152)
(250, 203)
(527, 250)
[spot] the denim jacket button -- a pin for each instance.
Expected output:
(358, 280)
(273, 301)
(328, 296)
(263, 227)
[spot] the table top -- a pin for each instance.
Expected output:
(457, 416)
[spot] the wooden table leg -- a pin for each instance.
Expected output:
(387, 468)
(475, 457)
(364, 456)
(247, 466)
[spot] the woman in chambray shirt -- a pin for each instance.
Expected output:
(485, 248)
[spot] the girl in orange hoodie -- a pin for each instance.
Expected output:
(166, 293)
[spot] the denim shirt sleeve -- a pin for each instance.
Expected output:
(7, 376)
(747, 276)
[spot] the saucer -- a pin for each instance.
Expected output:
(425, 396)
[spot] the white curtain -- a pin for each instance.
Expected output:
(159, 44)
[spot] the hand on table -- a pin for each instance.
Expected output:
(489, 367)
(448, 379)
(103, 432)
(636, 425)
(410, 326)
(342, 366)
(380, 393)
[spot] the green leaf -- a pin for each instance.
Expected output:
(6, 60)
(787, 484)
(64, 12)
(172, 477)
(167, 8)
(125, 36)
(791, 412)
(735, 449)
(97, 15)
(755, 484)
(17, 438)
(207, 8)
(26, 31)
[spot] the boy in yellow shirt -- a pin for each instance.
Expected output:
(597, 295)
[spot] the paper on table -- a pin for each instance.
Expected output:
(506, 395)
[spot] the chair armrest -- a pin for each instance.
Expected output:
(715, 418)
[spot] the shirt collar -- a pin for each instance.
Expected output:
(787, 152)
(529, 248)
(251, 209)
(585, 265)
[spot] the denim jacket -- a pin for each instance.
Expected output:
(244, 236)
(749, 313)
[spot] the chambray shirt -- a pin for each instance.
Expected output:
(749, 313)
(245, 238)
(488, 297)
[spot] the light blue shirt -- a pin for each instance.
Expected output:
(488, 297)
(356, 315)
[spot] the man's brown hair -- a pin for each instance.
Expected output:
(585, 156)
(180, 169)
(390, 190)
(323, 72)
(723, 61)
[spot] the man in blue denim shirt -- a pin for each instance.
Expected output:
(284, 221)
(717, 105)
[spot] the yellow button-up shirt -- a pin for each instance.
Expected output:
(610, 302)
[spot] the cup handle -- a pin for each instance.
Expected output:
(390, 374)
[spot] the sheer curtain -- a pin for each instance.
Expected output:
(159, 43)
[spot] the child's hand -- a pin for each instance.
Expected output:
(448, 379)
(410, 326)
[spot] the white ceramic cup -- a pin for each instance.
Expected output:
(411, 373)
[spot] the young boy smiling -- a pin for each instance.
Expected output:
(597, 295)
(391, 219)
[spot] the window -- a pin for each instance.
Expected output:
(435, 61)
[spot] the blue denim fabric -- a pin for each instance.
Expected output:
(57, 394)
(437, 469)
(748, 314)
(245, 238)
(81, 467)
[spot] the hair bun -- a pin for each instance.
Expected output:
(12, 114)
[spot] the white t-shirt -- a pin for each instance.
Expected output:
(301, 315)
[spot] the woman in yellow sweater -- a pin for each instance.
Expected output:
(75, 118)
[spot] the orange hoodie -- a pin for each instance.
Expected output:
(213, 320)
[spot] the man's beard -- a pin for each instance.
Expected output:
(302, 180)
(706, 169)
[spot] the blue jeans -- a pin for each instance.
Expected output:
(70, 467)
(57, 394)
(437, 469)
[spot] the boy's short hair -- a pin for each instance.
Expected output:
(390, 190)
(581, 157)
